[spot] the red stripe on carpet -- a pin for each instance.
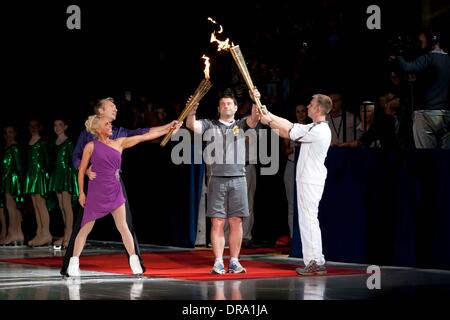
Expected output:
(185, 265)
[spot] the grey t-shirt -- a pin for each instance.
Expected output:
(224, 153)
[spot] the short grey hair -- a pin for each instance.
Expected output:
(324, 101)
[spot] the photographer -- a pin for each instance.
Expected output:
(431, 119)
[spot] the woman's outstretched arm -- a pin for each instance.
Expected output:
(153, 133)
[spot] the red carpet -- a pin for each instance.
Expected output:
(186, 265)
(246, 251)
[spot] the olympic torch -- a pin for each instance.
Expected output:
(238, 58)
(240, 61)
(198, 95)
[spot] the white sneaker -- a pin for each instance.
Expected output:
(74, 267)
(236, 267)
(135, 265)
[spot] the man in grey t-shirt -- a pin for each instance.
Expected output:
(226, 183)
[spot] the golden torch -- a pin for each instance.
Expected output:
(199, 93)
(238, 58)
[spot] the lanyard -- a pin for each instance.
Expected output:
(338, 131)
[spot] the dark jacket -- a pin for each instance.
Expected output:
(433, 80)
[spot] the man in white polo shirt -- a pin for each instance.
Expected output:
(315, 139)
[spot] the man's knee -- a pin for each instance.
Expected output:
(235, 222)
(217, 224)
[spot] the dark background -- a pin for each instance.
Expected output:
(153, 49)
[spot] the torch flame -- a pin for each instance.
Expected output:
(207, 65)
(213, 21)
(222, 45)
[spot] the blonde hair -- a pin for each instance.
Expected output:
(91, 124)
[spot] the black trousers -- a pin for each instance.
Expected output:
(77, 227)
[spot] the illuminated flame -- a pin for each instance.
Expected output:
(207, 65)
(213, 21)
(221, 45)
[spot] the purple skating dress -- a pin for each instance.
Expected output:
(105, 191)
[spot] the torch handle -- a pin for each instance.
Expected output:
(181, 118)
(240, 61)
(259, 105)
(202, 89)
(167, 137)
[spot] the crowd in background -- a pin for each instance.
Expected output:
(300, 50)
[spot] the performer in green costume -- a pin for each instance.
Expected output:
(63, 179)
(10, 187)
(36, 183)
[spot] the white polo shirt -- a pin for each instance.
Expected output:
(315, 139)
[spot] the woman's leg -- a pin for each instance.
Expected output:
(121, 225)
(68, 212)
(38, 220)
(45, 236)
(61, 207)
(15, 227)
(80, 240)
(2, 225)
(120, 219)
(71, 244)
(73, 267)
(129, 219)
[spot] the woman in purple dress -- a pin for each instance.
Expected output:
(105, 191)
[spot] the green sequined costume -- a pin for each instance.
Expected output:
(36, 181)
(12, 173)
(63, 176)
